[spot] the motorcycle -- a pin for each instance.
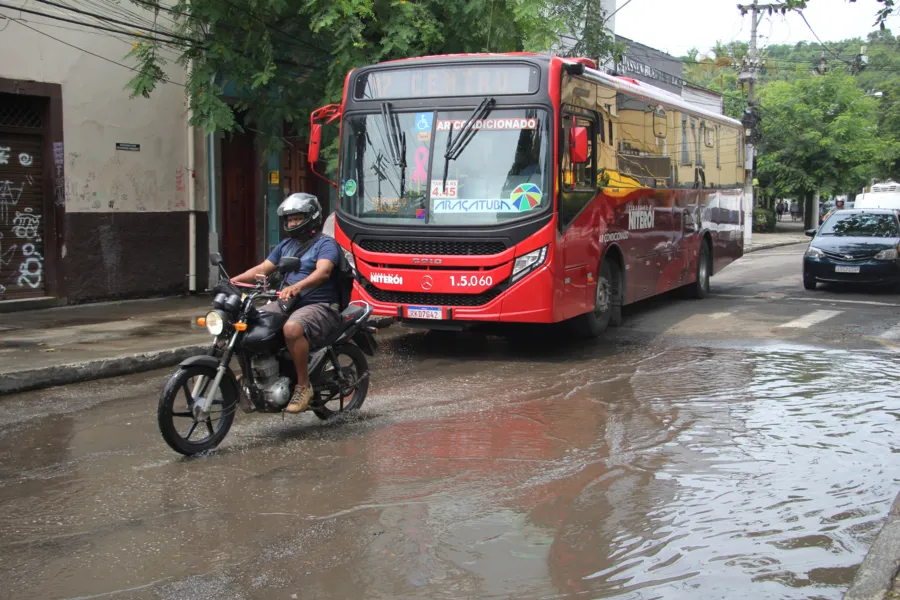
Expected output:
(204, 393)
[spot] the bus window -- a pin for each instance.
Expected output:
(579, 181)
(580, 176)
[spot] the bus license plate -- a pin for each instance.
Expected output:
(839, 269)
(424, 312)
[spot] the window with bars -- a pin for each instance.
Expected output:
(20, 112)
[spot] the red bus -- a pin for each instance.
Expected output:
(521, 188)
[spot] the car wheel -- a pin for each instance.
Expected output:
(809, 283)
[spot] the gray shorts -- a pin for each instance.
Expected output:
(318, 320)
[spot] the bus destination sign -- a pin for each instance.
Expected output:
(457, 80)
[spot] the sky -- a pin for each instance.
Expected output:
(675, 26)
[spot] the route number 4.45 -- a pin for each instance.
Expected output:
(471, 281)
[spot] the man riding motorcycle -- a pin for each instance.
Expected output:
(310, 293)
(838, 205)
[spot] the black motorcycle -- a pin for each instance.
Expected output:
(198, 404)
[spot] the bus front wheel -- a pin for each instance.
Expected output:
(607, 304)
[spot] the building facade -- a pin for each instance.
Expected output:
(97, 191)
(107, 197)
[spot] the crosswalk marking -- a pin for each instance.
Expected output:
(808, 320)
(719, 315)
(891, 334)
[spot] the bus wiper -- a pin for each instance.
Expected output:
(392, 125)
(456, 147)
(396, 142)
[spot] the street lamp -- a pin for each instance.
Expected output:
(869, 94)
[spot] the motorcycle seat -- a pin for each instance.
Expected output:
(348, 318)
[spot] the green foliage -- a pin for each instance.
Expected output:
(279, 59)
(819, 133)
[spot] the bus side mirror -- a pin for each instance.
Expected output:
(578, 145)
(315, 140)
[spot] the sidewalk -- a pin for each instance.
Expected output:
(787, 232)
(56, 346)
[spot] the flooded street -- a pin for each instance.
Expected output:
(723, 448)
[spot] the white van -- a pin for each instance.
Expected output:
(883, 195)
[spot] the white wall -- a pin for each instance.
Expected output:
(97, 114)
(707, 100)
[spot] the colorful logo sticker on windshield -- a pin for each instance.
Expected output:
(526, 196)
(350, 187)
(420, 213)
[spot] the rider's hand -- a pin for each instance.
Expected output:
(288, 292)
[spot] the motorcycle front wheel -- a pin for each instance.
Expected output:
(344, 390)
(181, 431)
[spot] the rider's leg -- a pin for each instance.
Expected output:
(298, 347)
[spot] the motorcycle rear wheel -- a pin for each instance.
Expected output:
(174, 412)
(351, 386)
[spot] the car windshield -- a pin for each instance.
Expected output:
(393, 166)
(861, 225)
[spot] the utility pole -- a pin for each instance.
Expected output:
(750, 66)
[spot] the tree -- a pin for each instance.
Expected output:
(820, 134)
(281, 58)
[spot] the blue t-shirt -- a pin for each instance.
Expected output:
(324, 247)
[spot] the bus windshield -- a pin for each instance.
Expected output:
(393, 166)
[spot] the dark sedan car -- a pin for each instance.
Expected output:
(854, 246)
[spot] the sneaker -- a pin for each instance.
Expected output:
(300, 400)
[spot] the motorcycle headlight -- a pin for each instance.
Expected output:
(528, 263)
(813, 252)
(215, 324)
(889, 254)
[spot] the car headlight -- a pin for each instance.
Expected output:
(215, 324)
(813, 252)
(528, 263)
(889, 254)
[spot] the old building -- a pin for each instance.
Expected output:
(97, 191)
(107, 197)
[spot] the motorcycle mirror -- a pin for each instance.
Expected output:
(215, 259)
(288, 264)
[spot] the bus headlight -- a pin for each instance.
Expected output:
(215, 324)
(528, 263)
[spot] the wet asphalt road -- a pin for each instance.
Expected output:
(745, 446)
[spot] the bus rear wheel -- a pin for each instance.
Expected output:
(607, 304)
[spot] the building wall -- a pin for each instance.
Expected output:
(708, 100)
(124, 230)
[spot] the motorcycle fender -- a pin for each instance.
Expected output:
(211, 362)
(366, 342)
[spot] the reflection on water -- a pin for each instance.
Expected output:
(477, 470)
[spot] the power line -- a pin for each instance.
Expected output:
(802, 16)
(109, 60)
(111, 20)
(82, 23)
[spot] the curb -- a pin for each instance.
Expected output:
(44, 377)
(776, 245)
(875, 575)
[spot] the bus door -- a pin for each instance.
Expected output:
(577, 222)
